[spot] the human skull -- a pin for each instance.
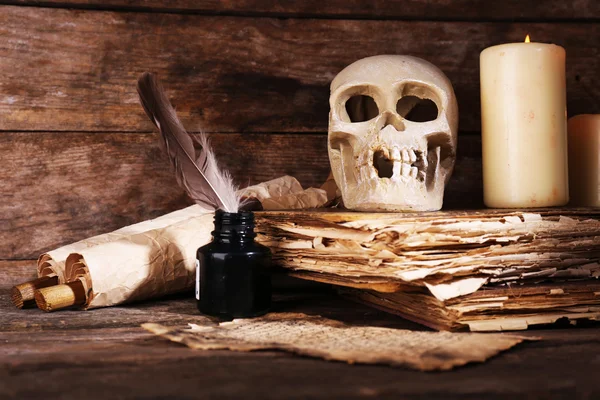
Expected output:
(392, 134)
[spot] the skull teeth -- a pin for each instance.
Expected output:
(412, 156)
(405, 156)
(405, 169)
(404, 163)
(413, 172)
(397, 168)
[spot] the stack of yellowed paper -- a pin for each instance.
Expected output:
(493, 307)
(482, 270)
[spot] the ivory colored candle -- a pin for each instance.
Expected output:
(584, 160)
(524, 126)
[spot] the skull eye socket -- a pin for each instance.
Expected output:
(416, 109)
(361, 108)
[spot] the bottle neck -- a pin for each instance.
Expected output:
(234, 227)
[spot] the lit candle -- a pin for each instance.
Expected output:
(584, 160)
(524, 125)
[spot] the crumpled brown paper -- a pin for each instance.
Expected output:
(331, 340)
(286, 193)
(305, 199)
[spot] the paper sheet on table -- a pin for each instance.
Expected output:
(332, 340)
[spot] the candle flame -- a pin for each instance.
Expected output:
(527, 39)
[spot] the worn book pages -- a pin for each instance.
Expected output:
(450, 253)
(493, 308)
(331, 340)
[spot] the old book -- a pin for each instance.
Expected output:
(514, 307)
(478, 270)
(430, 249)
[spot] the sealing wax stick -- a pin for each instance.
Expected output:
(22, 295)
(60, 296)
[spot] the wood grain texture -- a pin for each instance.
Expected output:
(76, 70)
(63, 187)
(59, 188)
(14, 272)
(377, 9)
(111, 356)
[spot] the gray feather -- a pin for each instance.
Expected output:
(197, 172)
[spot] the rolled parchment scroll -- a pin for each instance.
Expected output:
(142, 265)
(152, 258)
(53, 262)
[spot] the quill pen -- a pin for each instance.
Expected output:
(197, 172)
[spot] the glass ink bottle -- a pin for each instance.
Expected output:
(233, 278)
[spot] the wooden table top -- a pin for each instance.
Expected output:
(105, 354)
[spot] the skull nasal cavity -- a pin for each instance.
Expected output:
(361, 108)
(416, 109)
(383, 165)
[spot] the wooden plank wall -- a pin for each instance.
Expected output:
(79, 157)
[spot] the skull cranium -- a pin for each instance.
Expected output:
(384, 155)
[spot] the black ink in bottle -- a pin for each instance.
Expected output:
(233, 278)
